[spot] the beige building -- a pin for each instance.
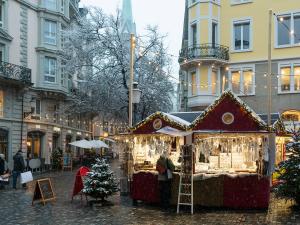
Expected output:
(225, 45)
(35, 91)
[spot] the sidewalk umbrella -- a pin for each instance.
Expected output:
(81, 144)
(97, 144)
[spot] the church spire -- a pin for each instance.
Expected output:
(127, 24)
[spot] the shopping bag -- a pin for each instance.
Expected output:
(26, 177)
(169, 174)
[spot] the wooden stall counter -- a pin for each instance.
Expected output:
(243, 191)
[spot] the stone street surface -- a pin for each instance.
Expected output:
(15, 208)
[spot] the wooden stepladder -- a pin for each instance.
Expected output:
(185, 190)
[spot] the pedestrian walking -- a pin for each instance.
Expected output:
(19, 167)
(4, 171)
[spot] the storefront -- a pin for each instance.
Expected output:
(4, 143)
(231, 162)
(35, 141)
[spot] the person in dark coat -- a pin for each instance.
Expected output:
(19, 167)
(163, 164)
(2, 164)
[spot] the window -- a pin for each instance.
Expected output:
(194, 83)
(62, 36)
(50, 32)
(214, 79)
(62, 6)
(50, 69)
(241, 35)
(242, 81)
(1, 103)
(194, 34)
(214, 34)
(1, 53)
(288, 29)
(50, 4)
(289, 79)
(63, 74)
(1, 14)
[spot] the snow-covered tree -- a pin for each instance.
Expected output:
(100, 183)
(99, 48)
(289, 171)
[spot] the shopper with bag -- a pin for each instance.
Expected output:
(165, 167)
(19, 167)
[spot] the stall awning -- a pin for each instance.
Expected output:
(174, 132)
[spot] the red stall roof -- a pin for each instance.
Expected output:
(159, 120)
(229, 114)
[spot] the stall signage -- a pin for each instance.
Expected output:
(43, 191)
(157, 124)
(227, 118)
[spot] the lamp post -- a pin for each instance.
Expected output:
(132, 47)
(270, 67)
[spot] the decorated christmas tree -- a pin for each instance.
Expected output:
(289, 171)
(100, 182)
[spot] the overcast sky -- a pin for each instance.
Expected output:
(167, 14)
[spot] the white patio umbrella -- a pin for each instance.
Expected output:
(81, 144)
(97, 144)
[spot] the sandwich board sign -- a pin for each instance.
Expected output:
(43, 191)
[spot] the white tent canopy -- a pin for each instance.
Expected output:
(89, 144)
(81, 144)
(97, 144)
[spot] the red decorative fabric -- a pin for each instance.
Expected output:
(246, 192)
(242, 120)
(78, 184)
(145, 187)
(148, 128)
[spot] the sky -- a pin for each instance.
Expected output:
(167, 15)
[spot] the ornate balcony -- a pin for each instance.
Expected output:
(204, 52)
(12, 72)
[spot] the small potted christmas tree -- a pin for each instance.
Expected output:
(100, 183)
(289, 172)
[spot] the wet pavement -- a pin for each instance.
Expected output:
(16, 208)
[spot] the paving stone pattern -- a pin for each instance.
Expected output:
(15, 208)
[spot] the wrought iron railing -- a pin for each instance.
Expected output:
(204, 51)
(15, 72)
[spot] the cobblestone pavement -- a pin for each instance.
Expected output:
(15, 208)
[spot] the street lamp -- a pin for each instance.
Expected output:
(136, 93)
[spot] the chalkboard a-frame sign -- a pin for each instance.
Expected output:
(43, 191)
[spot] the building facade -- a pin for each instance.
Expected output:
(225, 45)
(35, 91)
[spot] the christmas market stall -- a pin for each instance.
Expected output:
(144, 145)
(233, 155)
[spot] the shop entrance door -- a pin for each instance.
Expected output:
(34, 143)
(4, 143)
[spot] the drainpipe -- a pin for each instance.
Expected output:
(22, 121)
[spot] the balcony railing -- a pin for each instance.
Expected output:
(15, 72)
(204, 51)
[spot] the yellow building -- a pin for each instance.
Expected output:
(225, 45)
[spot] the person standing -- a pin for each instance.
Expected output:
(165, 167)
(19, 167)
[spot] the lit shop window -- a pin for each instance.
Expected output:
(289, 78)
(214, 80)
(242, 82)
(194, 83)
